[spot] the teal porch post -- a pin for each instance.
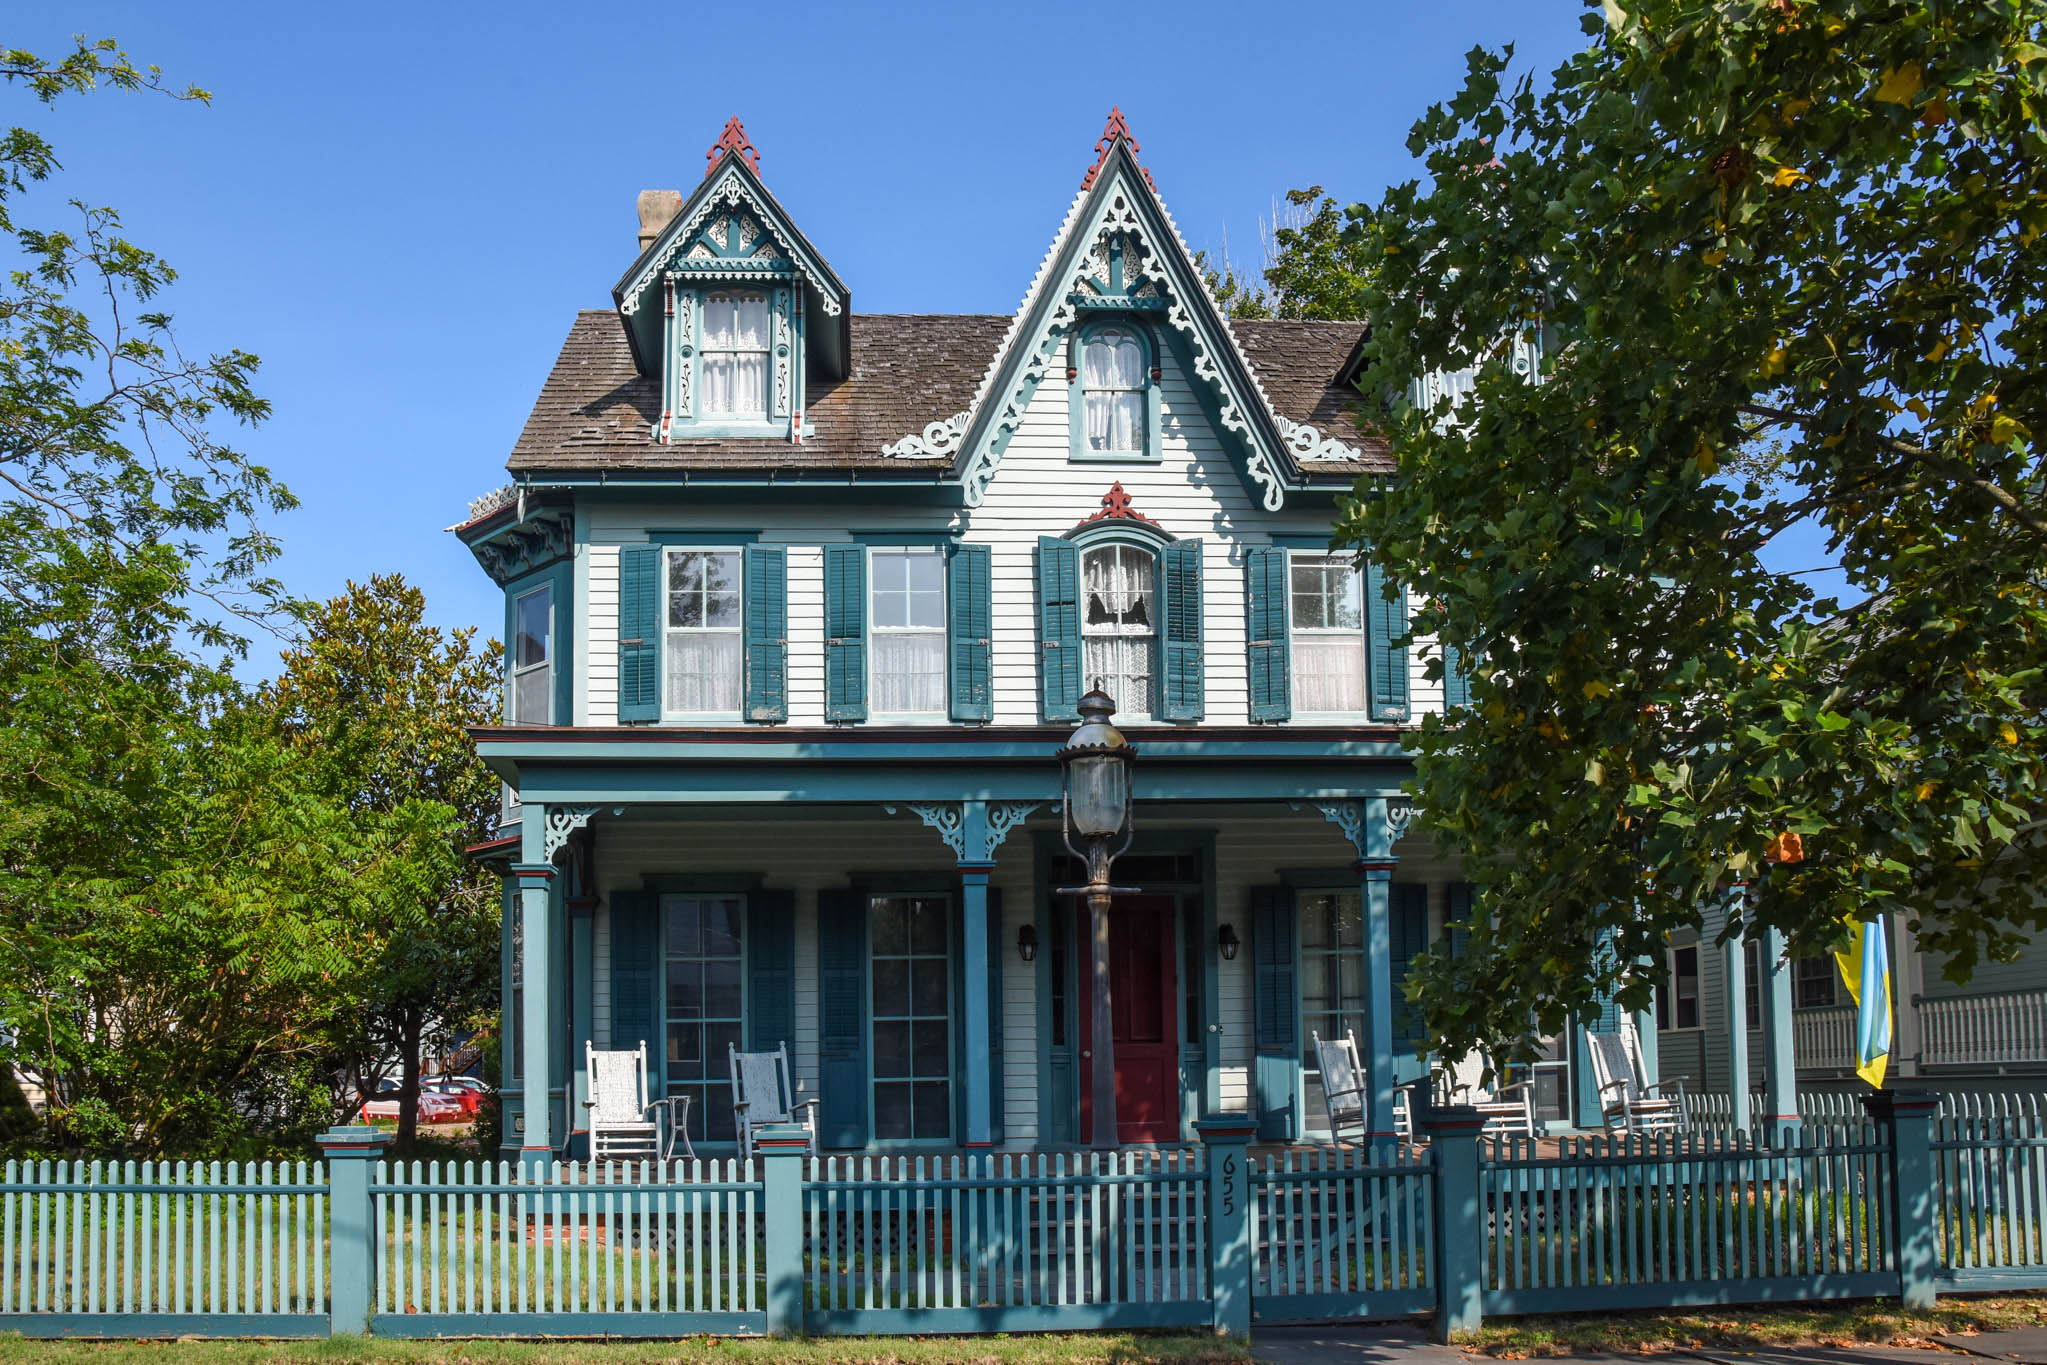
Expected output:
(1226, 1141)
(349, 1152)
(782, 1149)
(1734, 958)
(1457, 1248)
(1376, 884)
(582, 1017)
(1907, 1119)
(535, 874)
(1781, 1080)
(974, 948)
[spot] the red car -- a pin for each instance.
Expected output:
(434, 1106)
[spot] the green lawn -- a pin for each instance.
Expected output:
(1879, 1323)
(1107, 1348)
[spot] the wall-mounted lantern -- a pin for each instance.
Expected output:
(1227, 942)
(1027, 942)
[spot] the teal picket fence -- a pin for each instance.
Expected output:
(570, 1249)
(1990, 1178)
(987, 1242)
(1337, 1232)
(91, 1248)
(1674, 1219)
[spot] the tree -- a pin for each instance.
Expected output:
(374, 704)
(1814, 227)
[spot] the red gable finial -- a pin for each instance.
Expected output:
(732, 141)
(1116, 127)
(1116, 507)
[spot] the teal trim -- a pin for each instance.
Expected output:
(639, 634)
(1781, 1080)
(976, 1068)
(764, 585)
(842, 1016)
(1267, 634)
(1013, 1318)
(771, 970)
(1059, 684)
(845, 646)
(1276, 1013)
(1180, 632)
(1385, 646)
(1211, 983)
(700, 538)
(1121, 531)
(903, 539)
(702, 884)
(1076, 392)
(120, 1326)
(1318, 543)
(970, 628)
(351, 1226)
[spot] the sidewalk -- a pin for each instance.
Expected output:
(1403, 1343)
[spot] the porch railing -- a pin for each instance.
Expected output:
(1824, 1038)
(1994, 1029)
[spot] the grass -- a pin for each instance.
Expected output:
(1867, 1323)
(1106, 1348)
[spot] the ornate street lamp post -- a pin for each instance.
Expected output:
(1095, 805)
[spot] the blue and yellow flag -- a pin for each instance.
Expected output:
(1866, 967)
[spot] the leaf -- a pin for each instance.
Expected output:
(1596, 690)
(2008, 732)
(1788, 175)
(1595, 772)
(1901, 83)
(1773, 362)
(1703, 457)
(1925, 789)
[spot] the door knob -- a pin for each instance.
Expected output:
(1085, 1056)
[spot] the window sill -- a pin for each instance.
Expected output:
(925, 718)
(1114, 457)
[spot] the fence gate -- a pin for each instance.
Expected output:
(1337, 1233)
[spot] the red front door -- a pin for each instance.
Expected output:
(1144, 1007)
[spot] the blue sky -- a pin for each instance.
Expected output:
(399, 208)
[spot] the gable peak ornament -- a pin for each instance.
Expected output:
(1116, 127)
(733, 142)
(1116, 507)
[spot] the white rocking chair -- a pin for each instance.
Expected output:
(1345, 1092)
(622, 1123)
(1627, 1103)
(764, 1092)
(1509, 1110)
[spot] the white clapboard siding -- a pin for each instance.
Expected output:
(1196, 490)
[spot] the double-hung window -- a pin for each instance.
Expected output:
(735, 355)
(706, 999)
(1332, 983)
(702, 670)
(1677, 1002)
(912, 1017)
(1113, 386)
(533, 658)
(1326, 596)
(1814, 982)
(1119, 626)
(907, 613)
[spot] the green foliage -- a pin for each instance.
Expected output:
(1811, 225)
(1321, 265)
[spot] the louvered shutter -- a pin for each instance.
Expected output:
(1459, 914)
(766, 576)
(1409, 926)
(1276, 1013)
(841, 1017)
(968, 631)
(1059, 629)
(639, 633)
(1265, 590)
(1180, 631)
(636, 978)
(771, 970)
(845, 645)
(1385, 661)
(1609, 1017)
(1456, 678)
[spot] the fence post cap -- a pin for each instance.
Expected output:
(775, 1139)
(353, 1139)
(1228, 1129)
(1904, 1104)
(1449, 1120)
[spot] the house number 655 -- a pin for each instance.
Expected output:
(1229, 1185)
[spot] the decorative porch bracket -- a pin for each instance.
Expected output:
(562, 822)
(1373, 825)
(973, 830)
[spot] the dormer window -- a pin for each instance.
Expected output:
(735, 355)
(1113, 384)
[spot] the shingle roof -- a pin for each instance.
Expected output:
(907, 371)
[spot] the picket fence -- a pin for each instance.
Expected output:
(1714, 1109)
(1212, 1237)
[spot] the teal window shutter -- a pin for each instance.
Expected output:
(766, 577)
(1385, 661)
(1059, 628)
(1409, 922)
(842, 1017)
(1276, 1014)
(639, 633)
(1265, 589)
(636, 978)
(771, 971)
(1458, 913)
(1456, 679)
(1180, 632)
(845, 645)
(969, 626)
(995, 1009)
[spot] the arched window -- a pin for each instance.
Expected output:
(1119, 626)
(735, 355)
(1113, 383)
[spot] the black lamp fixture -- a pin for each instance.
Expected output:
(1027, 942)
(1227, 942)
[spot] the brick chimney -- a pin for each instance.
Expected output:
(657, 210)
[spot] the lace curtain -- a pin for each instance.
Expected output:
(1118, 626)
(735, 354)
(1112, 377)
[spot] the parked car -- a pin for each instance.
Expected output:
(434, 1106)
(471, 1100)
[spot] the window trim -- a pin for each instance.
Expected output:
(1076, 393)
(560, 577)
(1832, 973)
(546, 665)
(1295, 631)
(941, 550)
(880, 888)
(670, 716)
(1669, 983)
(1124, 713)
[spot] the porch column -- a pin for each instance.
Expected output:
(535, 874)
(1781, 1081)
(1734, 959)
(1376, 885)
(582, 1017)
(980, 1078)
